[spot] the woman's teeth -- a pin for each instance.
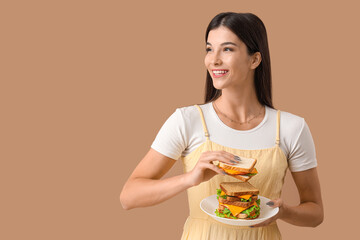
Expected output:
(219, 72)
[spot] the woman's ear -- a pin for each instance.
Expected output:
(256, 60)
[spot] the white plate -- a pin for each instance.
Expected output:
(210, 204)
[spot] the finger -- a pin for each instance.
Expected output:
(216, 169)
(218, 157)
(230, 155)
(275, 203)
(224, 153)
(226, 158)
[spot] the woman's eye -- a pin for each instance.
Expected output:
(225, 49)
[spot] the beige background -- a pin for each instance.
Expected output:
(86, 86)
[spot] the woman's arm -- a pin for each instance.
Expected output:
(310, 212)
(145, 188)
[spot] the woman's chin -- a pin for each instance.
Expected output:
(219, 86)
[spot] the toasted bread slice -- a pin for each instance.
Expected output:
(245, 165)
(238, 188)
(234, 199)
(243, 178)
(236, 203)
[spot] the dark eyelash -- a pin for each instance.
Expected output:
(208, 49)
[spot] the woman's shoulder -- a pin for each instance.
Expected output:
(285, 115)
(288, 116)
(291, 118)
(290, 124)
(191, 111)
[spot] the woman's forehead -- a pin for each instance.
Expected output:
(221, 35)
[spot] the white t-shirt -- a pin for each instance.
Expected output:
(183, 132)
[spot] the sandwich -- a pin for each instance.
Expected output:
(243, 171)
(238, 200)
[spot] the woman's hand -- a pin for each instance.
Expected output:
(273, 203)
(310, 212)
(205, 169)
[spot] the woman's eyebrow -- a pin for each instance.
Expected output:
(224, 43)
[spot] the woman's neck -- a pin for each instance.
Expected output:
(238, 105)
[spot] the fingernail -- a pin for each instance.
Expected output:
(233, 161)
(270, 203)
(251, 226)
(237, 158)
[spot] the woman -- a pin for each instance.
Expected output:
(239, 118)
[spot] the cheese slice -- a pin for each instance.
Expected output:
(234, 172)
(245, 196)
(235, 210)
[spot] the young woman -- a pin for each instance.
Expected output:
(237, 118)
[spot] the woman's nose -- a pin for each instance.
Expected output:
(216, 59)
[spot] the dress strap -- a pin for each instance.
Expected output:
(203, 122)
(278, 128)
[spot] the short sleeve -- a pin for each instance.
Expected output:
(303, 156)
(171, 138)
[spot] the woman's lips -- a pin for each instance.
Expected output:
(219, 74)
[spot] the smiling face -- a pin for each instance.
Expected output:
(227, 60)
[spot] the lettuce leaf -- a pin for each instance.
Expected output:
(250, 174)
(219, 214)
(218, 192)
(244, 200)
(228, 214)
(257, 212)
(250, 209)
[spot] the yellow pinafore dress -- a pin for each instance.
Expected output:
(271, 165)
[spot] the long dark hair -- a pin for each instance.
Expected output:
(251, 30)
